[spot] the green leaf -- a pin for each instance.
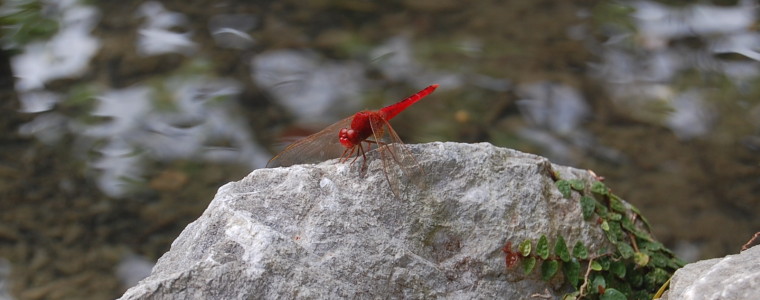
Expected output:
(601, 210)
(634, 277)
(579, 250)
(643, 235)
(549, 268)
(614, 216)
(627, 224)
(564, 187)
(604, 262)
(605, 226)
(624, 288)
(658, 259)
(597, 282)
(640, 294)
(654, 279)
(560, 249)
(618, 269)
(596, 266)
(617, 205)
(650, 245)
(626, 251)
(615, 231)
(572, 271)
(641, 259)
(587, 206)
(528, 264)
(571, 296)
(542, 247)
(577, 184)
(612, 294)
(640, 217)
(525, 247)
(599, 188)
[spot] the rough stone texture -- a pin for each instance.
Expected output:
(324, 231)
(731, 277)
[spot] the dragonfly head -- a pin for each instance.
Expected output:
(348, 137)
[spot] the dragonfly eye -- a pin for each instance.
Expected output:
(346, 136)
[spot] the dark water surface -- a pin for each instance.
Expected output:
(121, 119)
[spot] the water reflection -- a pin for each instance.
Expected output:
(642, 69)
(180, 117)
(158, 34)
(554, 114)
(308, 85)
(395, 59)
(67, 54)
(231, 31)
(658, 23)
(199, 117)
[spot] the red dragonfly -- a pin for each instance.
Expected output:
(344, 139)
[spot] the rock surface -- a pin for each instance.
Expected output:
(324, 231)
(731, 277)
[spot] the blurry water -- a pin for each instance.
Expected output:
(185, 116)
(307, 85)
(65, 55)
(158, 35)
(231, 31)
(642, 69)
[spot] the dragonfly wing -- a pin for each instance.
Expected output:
(399, 164)
(404, 156)
(315, 148)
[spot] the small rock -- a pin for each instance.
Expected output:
(731, 277)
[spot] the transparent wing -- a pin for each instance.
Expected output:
(399, 165)
(315, 148)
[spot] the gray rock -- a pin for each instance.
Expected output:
(325, 231)
(731, 277)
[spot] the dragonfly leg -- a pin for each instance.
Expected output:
(369, 144)
(357, 154)
(364, 158)
(347, 154)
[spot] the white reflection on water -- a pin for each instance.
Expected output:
(309, 86)
(659, 23)
(556, 107)
(199, 116)
(231, 31)
(65, 55)
(38, 101)
(157, 35)
(692, 116)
